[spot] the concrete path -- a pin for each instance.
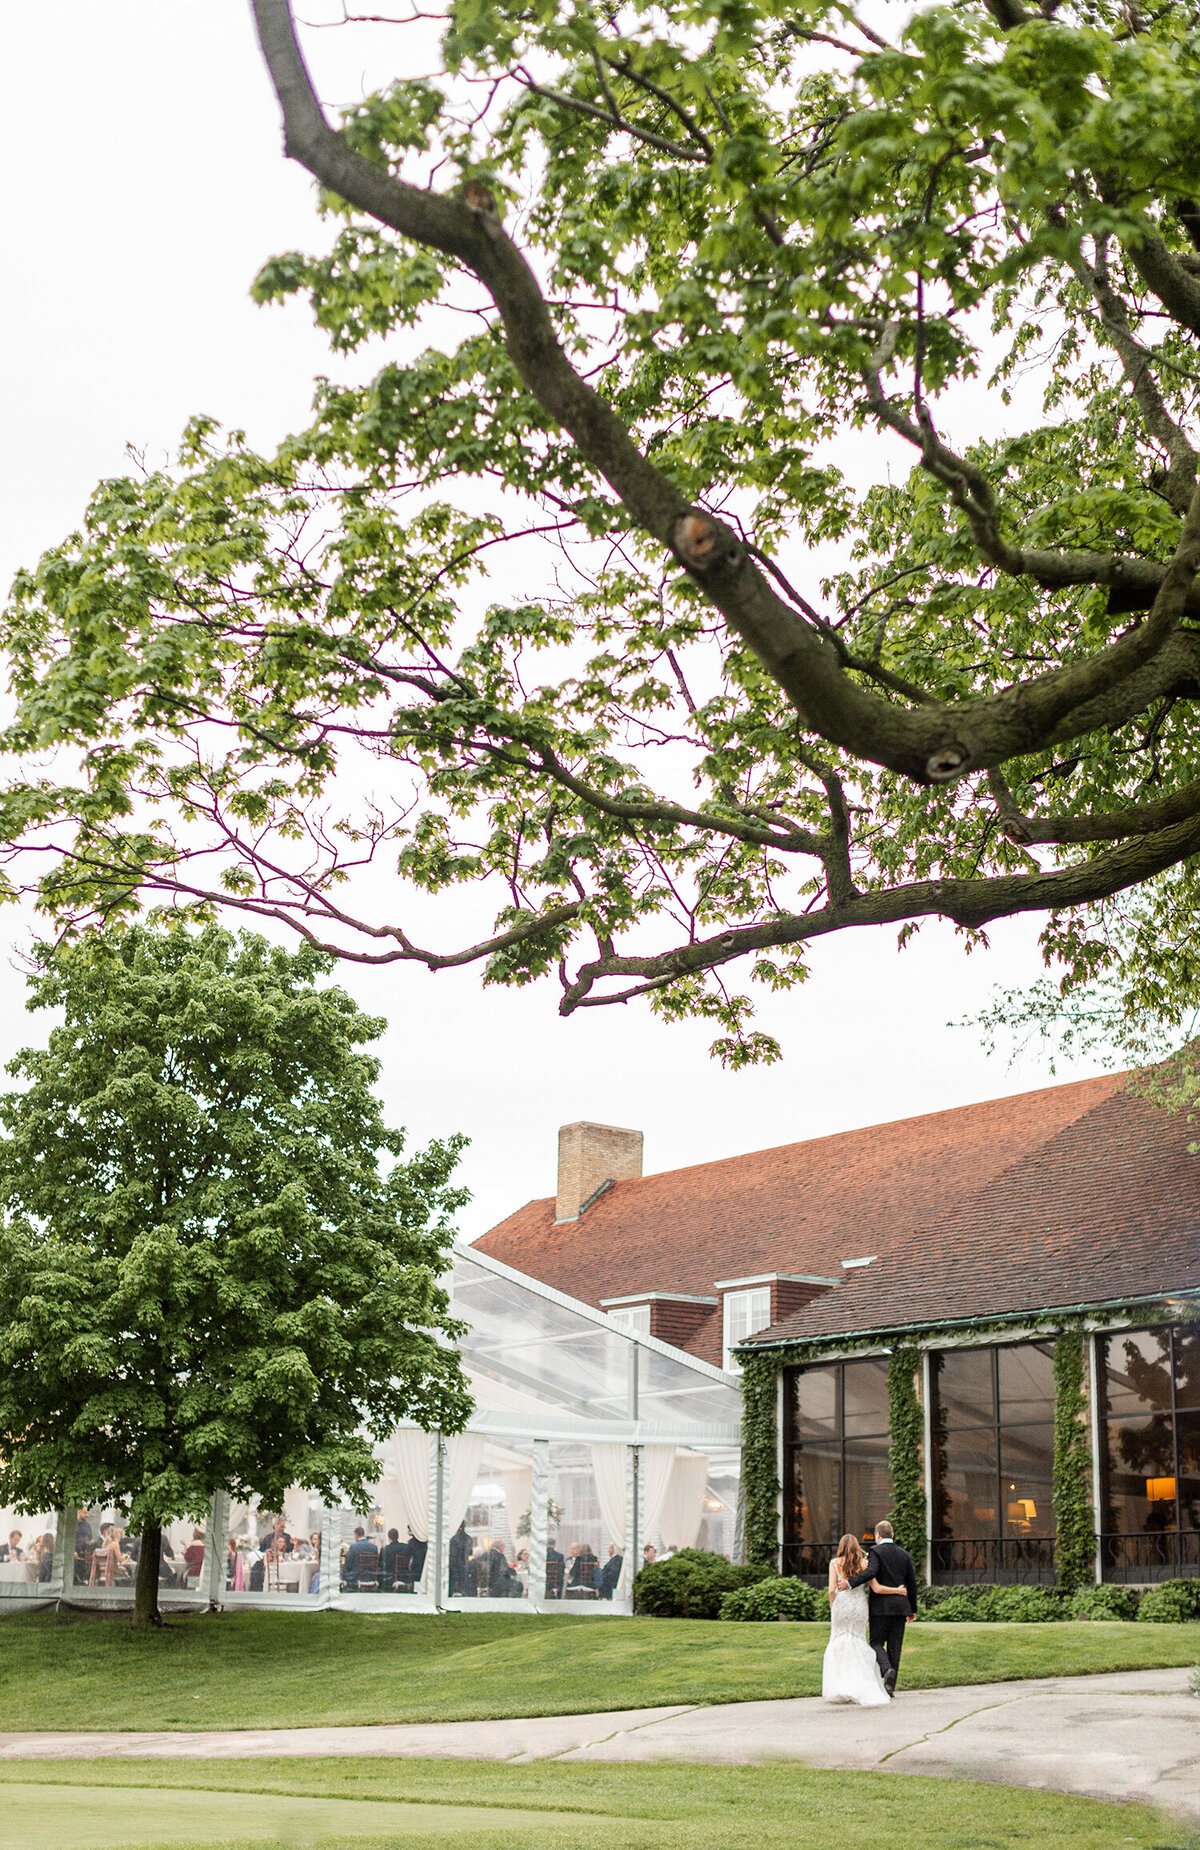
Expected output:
(1130, 1735)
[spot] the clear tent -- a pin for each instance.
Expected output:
(588, 1445)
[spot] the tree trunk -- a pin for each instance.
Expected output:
(145, 1591)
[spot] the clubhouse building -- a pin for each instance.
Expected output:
(975, 1242)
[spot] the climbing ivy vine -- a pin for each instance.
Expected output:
(760, 1470)
(906, 1446)
(1075, 1549)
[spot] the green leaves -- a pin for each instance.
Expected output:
(207, 1278)
(435, 635)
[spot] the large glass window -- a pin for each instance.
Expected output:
(993, 1431)
(836, 1459)
(1150, 1449)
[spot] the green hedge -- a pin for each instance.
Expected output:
(1019, 1605)
(1171, 1601)
(690, 1585)
(775, 1599)
(1106, 1602)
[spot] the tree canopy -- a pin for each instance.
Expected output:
(627, 605)
(216, 1271)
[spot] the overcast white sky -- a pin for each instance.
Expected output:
(145, 187)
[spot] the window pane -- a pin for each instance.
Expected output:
(1138, 1371)
(866, 1397)
(814, 1404)
(1026, 1373)
(868, 1486)
(1187, 1368)
(965, 1395)
(1189, 1470)
(818, 1468)
(637, 1318)
(580, 1534)
(1027, 1480)
(1139, 1475)
(966, 1504)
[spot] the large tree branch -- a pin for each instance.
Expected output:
(969, 903)
(1109, 825)
(931, 744)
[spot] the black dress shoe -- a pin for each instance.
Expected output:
(889, 1682)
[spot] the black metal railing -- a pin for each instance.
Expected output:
(1012, 1562)
(809, 1560)
(1136, 1559)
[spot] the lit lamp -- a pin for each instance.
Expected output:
(1023, 1510)
(1160, 1490)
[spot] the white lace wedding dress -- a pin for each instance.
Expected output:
(850, 1672)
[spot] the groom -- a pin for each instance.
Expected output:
(888, 1613)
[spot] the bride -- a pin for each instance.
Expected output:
(850, 1672)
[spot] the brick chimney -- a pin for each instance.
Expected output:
(589, 1155)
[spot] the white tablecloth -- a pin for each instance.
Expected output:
(23, 1571)
(292, 1576)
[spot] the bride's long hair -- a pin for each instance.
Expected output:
(850, 1557)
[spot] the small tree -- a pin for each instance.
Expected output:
(208, 1280)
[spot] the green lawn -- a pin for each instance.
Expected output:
(281, 1669)
(424, 1803)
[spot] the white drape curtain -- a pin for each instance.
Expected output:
(609, 1469)
(518, 1494)
(410, 1481)
(464, 1452)
(295, 1511)
(683, 1504)
(658, 1462)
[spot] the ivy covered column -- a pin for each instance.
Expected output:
(760, 1459)
(906, 1449)
(1075, 1549)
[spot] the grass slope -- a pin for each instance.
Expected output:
(549, 1807)
(289, 1670)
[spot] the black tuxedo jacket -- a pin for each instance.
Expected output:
(894, 1567)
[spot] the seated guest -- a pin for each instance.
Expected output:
(361, 1565)
(522, 1568)
(497, 1580)
(12, 1550)
(393, 1561)
(555, 1571)
(43, 1553)
(649, 1554)
(280, 1537)
(193, 1554)
(610, 1573)
(583, 1566)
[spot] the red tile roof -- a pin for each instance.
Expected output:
(1105, 1211)
(803, 1207)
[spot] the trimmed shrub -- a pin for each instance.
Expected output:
(1106, 1602)
(984, 1604)
(1171, 1602)
(773, 1599)
(691, 1585)
(928, 1598)
(1026, 1605)
(956, 1608)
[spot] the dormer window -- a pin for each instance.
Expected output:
(633, 1317)
(745, 1312)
